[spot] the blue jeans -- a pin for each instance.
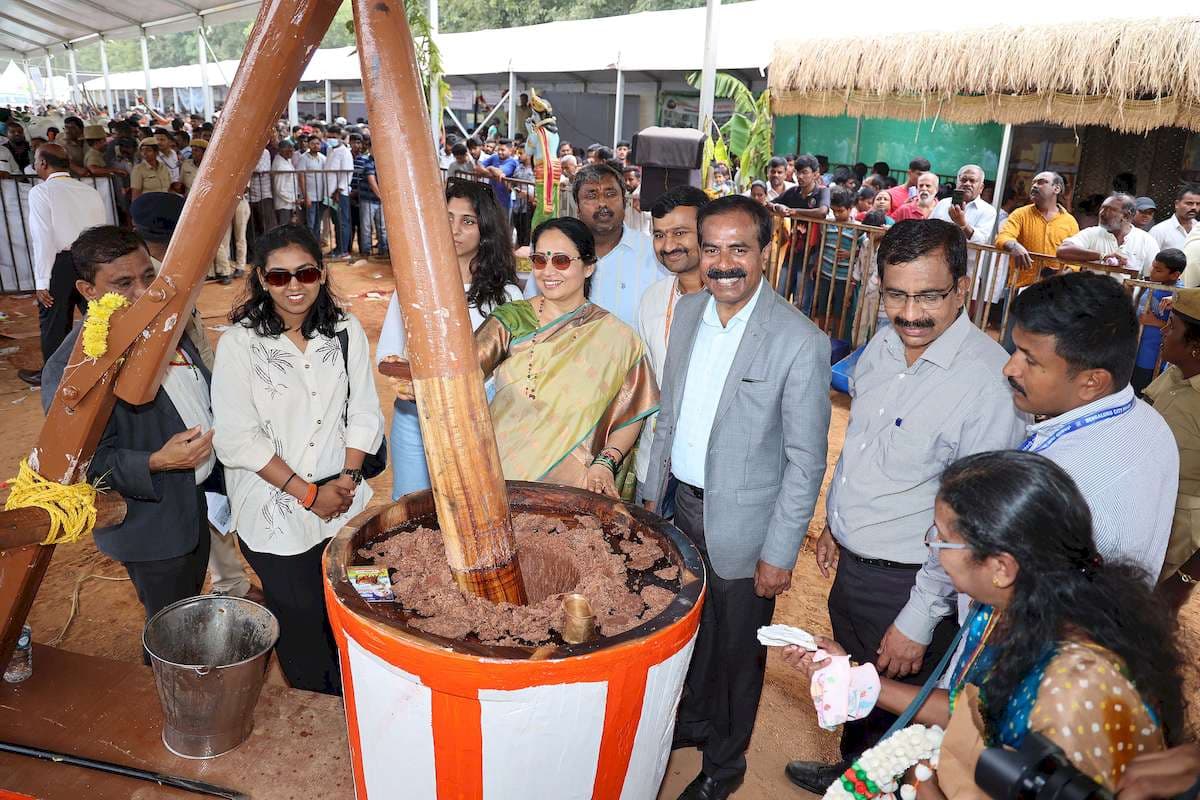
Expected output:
(314, 217)
(410, 473)
(370, 222)
(341, 226)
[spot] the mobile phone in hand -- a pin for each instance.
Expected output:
(957, 197)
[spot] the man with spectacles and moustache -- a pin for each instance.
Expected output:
(926, 391)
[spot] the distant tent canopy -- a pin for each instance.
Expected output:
(1129, 75)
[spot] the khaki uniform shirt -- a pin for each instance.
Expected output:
(144, 178)
(1178, 401)
(93, 159)
(188, 172)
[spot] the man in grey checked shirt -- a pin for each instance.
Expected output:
(928, 390)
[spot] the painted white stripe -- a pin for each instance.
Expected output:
(652, 744)
(542, 742)
(395, 727)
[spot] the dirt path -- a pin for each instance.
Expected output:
(109, 619)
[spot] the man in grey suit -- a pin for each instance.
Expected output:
(743, 429)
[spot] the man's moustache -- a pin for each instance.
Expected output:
(1016, 387)
(669, 253)
(901, 322)
(722, 274)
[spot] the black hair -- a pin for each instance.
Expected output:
(334, 129)
(163, 132)
(859, 169)
(1172, 258)
(676, 196)
(841, 173)
(473, 141)
(504, 141)
(604, 153)
(70, 120)
(807, 160)
(866, 193)
(493, 268)
(177, 124)
(257, 309)
(823, 160)
(102, 244)
(919, 164)
(876, 218)
(1089, 316)
(187, 137)
(458, 149)
(840, 197)
(579, 235)
(910, 239)
(760, 184)
(737, 204)
(1025, 505)
(631, 168)
(623, 143)
(881, 168)
(1187, 188)
(595, 173)
(775, 162)
(55, 161)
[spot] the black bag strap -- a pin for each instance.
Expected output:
(344, 340)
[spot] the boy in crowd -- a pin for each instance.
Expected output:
(1166, 269)
(836, 244)
(462, 165)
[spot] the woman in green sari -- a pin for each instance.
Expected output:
(573, 384)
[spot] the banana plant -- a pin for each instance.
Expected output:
(749, 132)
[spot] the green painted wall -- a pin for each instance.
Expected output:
(947, 145)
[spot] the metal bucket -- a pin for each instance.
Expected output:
(210, 658)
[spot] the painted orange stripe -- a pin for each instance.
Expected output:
(457, 747)
(622, 713)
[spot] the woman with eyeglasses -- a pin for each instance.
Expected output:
(489, 274)
(1057, 641)
(573, 384)
(294, 398)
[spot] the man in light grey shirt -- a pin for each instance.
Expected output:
(926, 391)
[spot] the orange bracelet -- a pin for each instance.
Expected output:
(310, 497)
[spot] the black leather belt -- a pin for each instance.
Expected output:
(880, 562)
(694, 491)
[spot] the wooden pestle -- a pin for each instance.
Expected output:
(460, 444)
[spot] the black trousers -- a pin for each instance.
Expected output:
(295, 593)
(262, 217)
(725, 679)
(522, 220)
(55, 322)
(169, 580)
(863, 603)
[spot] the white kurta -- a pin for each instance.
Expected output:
(270, 399)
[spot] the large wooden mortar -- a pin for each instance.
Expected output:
(431, 717)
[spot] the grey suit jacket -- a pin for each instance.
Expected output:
(767, 450)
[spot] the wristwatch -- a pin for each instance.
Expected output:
(355, 474)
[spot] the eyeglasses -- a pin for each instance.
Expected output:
(281, 277)
(560, 261)
(897, 298)
(933, 543)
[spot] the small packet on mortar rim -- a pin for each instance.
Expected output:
(372, 584)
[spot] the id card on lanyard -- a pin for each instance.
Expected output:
(1082, 422)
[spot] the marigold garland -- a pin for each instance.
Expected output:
(72, 507)
(95, 326)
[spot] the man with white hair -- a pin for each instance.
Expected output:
(1116, 241)
(920, 205)
(974, 216)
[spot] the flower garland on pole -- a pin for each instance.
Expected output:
(878, 771)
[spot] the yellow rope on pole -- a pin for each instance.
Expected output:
(72, 507)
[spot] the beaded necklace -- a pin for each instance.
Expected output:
(530, 375)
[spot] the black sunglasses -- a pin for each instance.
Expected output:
(282, 277)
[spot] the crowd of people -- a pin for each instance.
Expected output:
(1029, 507)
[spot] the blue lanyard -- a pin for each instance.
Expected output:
(1082, 422)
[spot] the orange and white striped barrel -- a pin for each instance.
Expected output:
(431, 718)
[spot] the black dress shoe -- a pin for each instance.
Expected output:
(225, 280)
(813, 776)
(705, 788)
(31, 376)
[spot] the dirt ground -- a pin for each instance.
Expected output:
(109, 618)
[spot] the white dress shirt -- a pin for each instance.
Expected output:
(60, 208)
(339, 158)
(310, 165)
(981, 216)
(1139, 248)
(622, 276)
(283, 184)
(393, 340)
(188, 391)
(269, 399)
(712, 356)
(260, 180)
(171, 159)
(1170, 233)
(654, 316)
(1127, 468)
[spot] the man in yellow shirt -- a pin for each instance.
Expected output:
(1036, 229)
(189, 169)
(149, 174)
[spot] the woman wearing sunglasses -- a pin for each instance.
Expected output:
(482, 242)
(1057, 641)
(573, 384)
(296, 416)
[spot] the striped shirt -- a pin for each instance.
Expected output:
(1127, 467)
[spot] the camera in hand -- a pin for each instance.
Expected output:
(1038, 771)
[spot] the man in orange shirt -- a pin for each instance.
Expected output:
(1038, 228)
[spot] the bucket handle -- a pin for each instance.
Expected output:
(202, 671)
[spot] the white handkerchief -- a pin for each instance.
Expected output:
(780, 635)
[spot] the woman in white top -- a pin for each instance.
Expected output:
(295, 418)
(483, 243)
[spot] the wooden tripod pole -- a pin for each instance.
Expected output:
(460, 445)
(281, 43)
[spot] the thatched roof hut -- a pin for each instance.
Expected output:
(1130, 75)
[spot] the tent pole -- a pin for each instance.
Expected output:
(708, 75)
(985, 280)
(490, 114)
(174, 99)
(108, 95)
(461, 127)
(149, 97)
(28, 82)
(328, 100)
(619, 105)
(294, 108)
(74, 81)
(857, 137)
(50, 92)
(205, 89)
(435, 80)
(512, 102)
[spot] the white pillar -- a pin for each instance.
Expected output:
(74, 80)
(205, 89)
(619, 106)
(28, 82)
(328, 100)
(512, 103)
(708, 74)
(435, 81)
(146, 73)
(108, 95)
(294, 109)
(1001, 175)
(51, 94)
(162, 100)
(175, 99)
